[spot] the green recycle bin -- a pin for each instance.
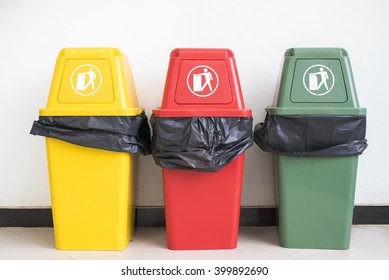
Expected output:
(316, 131)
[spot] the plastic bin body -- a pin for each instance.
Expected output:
(92, 190)
(202, 208)
(316, 194)
(316, 201)
(92, 196)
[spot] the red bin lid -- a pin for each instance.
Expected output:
(202, 82)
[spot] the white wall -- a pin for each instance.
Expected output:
(259, 32)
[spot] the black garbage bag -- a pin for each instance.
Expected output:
(312, 135)
(113, 133)
(199, 143)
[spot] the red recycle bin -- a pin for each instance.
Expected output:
(200, 134)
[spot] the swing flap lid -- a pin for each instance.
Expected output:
(202, 78)
(316, 78)
(92, 82)
(318, 81)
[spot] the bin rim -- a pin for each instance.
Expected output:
(90, 112)
(315, 111)
(158, 112)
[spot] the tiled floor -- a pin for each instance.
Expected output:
(367, 243)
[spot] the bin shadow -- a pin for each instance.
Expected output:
(150, 237)
(265, 235)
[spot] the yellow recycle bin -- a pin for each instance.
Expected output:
(94, 129)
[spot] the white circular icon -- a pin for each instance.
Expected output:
(86, 79)
(202, 81)
(318, 80)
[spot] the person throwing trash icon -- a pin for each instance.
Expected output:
(86, 79)
(323, 78)
(208, 78)
(318, 80)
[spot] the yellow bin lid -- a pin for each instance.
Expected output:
(92, 82)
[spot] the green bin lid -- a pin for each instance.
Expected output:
(317, 81)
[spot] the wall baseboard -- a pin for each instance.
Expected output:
(155, 216)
